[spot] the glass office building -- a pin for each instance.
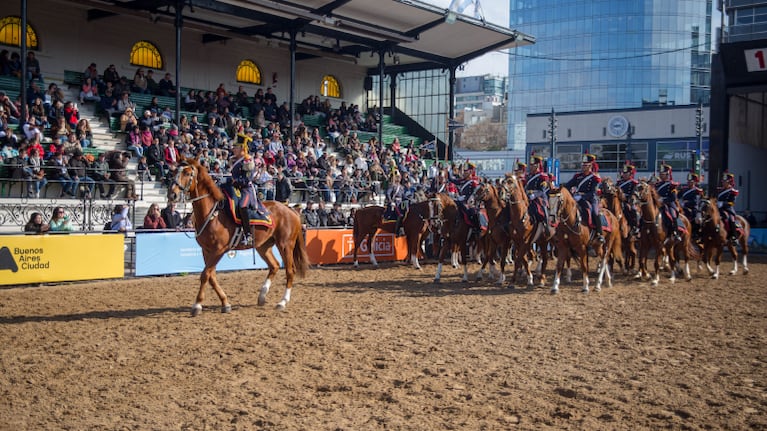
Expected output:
(607, 54)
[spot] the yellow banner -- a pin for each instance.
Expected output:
(65, 257)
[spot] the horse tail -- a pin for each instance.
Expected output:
(693, 251)
(300, 257)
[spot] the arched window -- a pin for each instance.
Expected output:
(329, 87)
(146, 54)
(10, 33)
(248, 72)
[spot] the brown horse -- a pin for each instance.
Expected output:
(497, 240)
(613, 199)
(714, 238)
(216, 232)
(454, 233)
(573, 238)
(525, 233)
(653, 236)
(367, 221)
(419, 220)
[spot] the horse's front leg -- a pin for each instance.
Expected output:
(208, 275)
(274, 266)
(372, 252)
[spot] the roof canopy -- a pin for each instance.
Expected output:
(415, 35)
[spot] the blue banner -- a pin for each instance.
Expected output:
(160, 253)
(757, 242)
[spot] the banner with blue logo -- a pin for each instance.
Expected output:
(160, 253)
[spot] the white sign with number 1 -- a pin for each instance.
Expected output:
(756, 59)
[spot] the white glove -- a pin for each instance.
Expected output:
(719, 204)
(531, 195)
(577, 198)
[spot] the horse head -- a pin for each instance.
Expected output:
(190, 178)
(707, 212)
(561, 204)
(514, 194)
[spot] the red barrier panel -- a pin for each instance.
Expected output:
(329, 246)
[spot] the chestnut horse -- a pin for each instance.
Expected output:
(497, 242)
(367, 221)
(525, 233)
(714, 238)
(652, 235)
(573, 238)
(454, 233)
(613, 199)
(216, 232)
(419, 220)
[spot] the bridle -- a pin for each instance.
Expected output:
(561, 218)
(645, 196)
(185, 190)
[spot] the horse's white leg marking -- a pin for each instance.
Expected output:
(655, 279)
(356, 263)
(734, 267)
(715, 274)
(502, 279)
(373, 256)
(196, 309)
(264, 291)
(285, 299)
(569, 275)
(745, 264)
(687, 275)
(710, 269)
(465, 273)
(555, 286)
(585, 288)
(414, 261)
(455, 259)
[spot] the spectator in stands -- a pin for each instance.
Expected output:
(34, 173)
(151, 85)
(78, 169)
(120, 220)
(32, 129)
(6, 135)
(15, 65)
(322, 214)
(118, 163)
(37, 110)
(171, 217)
(171, 154)
(33, 67)
(34, 92)
(100, 173)
(310, 217)
(60, 221)
(153, 218)
(167, 87)
(71, 115)
(139, 82)
(89, 91)
(109, 103)
(282, 187)
(125, 103)
(71, 145)
(336, 216)
(128, 120)
(93, 73)
(57, 167)
(110, 76)
(36, 224)
(12, 114)
(84, 133)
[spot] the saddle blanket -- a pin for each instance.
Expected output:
(258, 217)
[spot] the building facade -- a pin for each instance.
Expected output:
(480, 92)
(607, 54)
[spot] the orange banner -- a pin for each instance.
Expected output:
(329, 246)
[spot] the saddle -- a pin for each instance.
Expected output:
(672, 217)
(259, 216)
(589, 221)
(732, 226)
(473, 218)
(537, 211)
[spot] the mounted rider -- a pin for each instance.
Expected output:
(240, 185)
(467, 185)
(690, 197)
(585, 189)
(726, 203)
(537, 188)
(628, 184)
(667, 190)
(520, 171)
(396, 205)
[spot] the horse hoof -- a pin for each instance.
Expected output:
(597, 289)
(715, 276)
(196, 310)
(688, 279)
(745, 271)
(280, 307)
(226, 308)
(436, 281)
(554, 291)
(733, 272)
(584, 290)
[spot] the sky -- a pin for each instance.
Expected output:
(497, 12)
(494, 63)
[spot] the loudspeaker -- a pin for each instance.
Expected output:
(368, 84)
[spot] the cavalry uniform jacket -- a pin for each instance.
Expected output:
(586, 184)
(690, 197)
(537, 185)
(395, 193)
(726, 199)
(466, 188)
(667, 190)
(628, 187)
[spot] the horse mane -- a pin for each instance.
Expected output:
(715, 216)
(204, 181)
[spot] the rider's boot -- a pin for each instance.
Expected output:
(247, 239)
(598, 228)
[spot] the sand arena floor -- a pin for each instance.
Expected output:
(386, 349)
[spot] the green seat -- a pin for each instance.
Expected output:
(73, 78)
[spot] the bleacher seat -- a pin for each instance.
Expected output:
(73, 78)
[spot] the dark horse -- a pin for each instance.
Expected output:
(454, 232)
(420, 218)
(653, 236)
(714, 238)
(216, 232)
(573, 237)
(367, 221)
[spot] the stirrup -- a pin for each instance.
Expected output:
(601, 238)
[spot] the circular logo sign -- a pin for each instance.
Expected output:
(618, 126)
